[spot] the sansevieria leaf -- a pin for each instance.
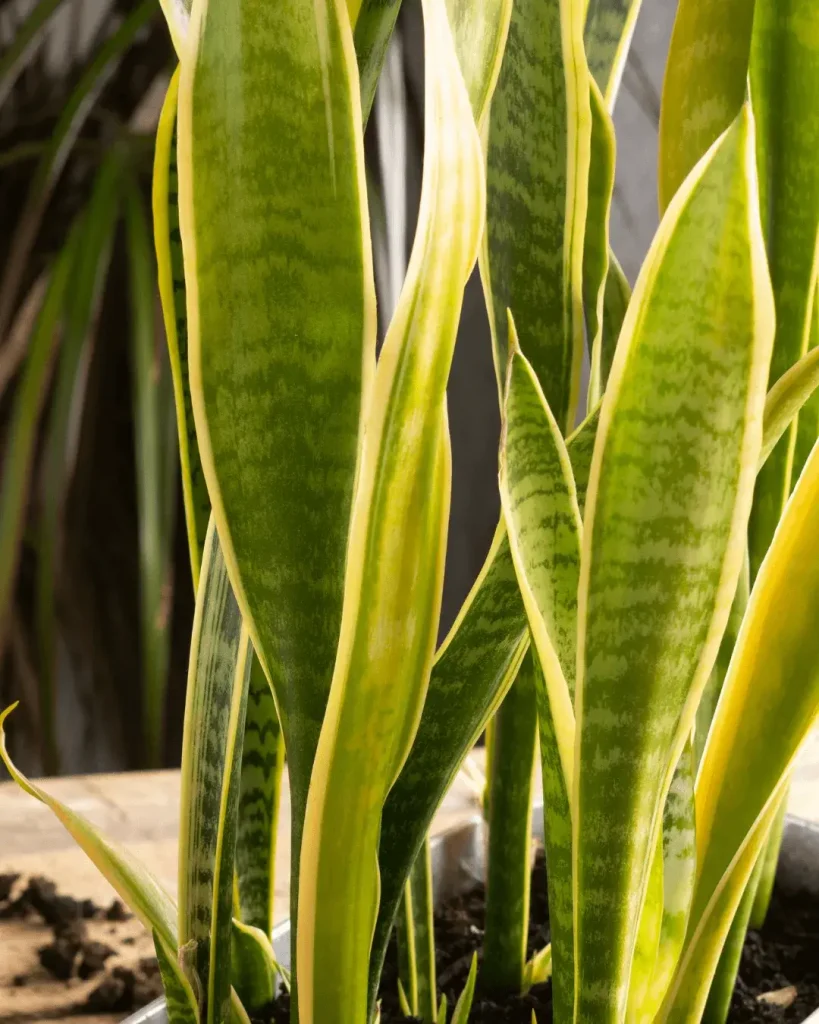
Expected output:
(263, 746)
(596, 252)
(395, 561)
(211, 758)
(663, 539)
(543, 518)
(537, 182)
(609, 28)
(784, 80)
(171, 275)
(771, 695)
(705, 84)
(474, 668)
(281, 323)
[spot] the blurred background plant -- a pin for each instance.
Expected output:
(91, 624)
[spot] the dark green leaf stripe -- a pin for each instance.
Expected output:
(784, 86)
(680, 432)
(168, 244)
(480, 32)
(509, 776)
(281, 319)
(596, 245)
(609, 28)
(262, 764)
(536, 196)
(211, 758)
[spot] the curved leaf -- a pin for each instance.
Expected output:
(136, 885)
(772, 690)
(473, 670)
(373, 28)
(785, 399)
(663, 539)
(395, 560)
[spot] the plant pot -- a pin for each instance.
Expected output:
(458, 862)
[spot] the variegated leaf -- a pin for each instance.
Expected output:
(663, 539)
(395, 560)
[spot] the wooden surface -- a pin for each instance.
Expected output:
(140, 810)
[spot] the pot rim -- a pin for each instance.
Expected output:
(458, 861)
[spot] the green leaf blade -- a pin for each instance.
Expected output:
(274, 224)
(211, 758)
(537, 191)
(663, 539)
(395, 561)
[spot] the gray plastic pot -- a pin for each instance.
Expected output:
(458, 862)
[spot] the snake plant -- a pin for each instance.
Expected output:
(316, 482)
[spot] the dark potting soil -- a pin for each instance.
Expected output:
(72, 953)
(783, 956)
